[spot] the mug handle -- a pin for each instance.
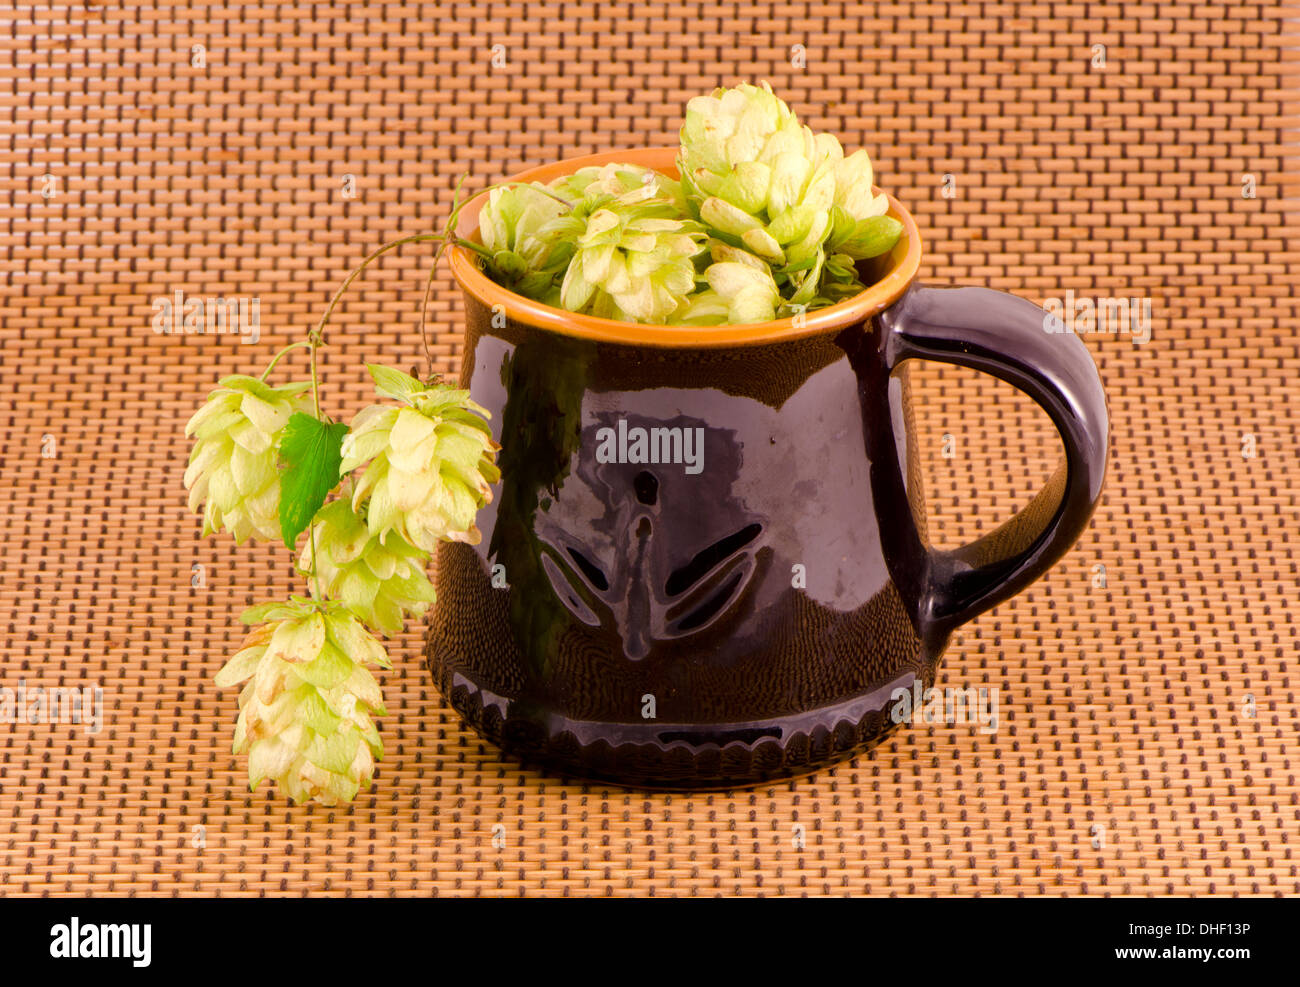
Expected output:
(1006, 336)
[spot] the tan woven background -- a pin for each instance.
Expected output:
(1123, 707)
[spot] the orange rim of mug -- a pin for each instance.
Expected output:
(906, 260)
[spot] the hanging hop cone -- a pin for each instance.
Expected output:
(431, 462)
(634, 247)
(380, 582)
(306, 714)
(232, 472)
(757, 177)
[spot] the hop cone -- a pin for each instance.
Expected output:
(739, 292)
(757, 177)
(518, 226)
(379, 582)
(859, 226)
(232, 470)
(626, 184)
(306, 712)
(634, 246)
(431, 462)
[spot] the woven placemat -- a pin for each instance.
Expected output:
(1148, 708)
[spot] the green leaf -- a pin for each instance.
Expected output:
(394, 383)
(310, 453)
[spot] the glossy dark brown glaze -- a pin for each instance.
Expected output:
(770, 603)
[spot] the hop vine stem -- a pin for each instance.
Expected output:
(315, 573)
(315, 378)
(276, 359)
(316, 338)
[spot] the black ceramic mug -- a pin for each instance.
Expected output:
(706, 564)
